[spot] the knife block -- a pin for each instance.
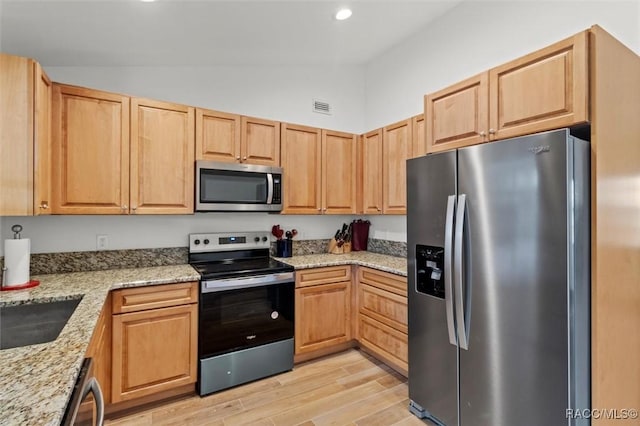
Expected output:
(334, 249)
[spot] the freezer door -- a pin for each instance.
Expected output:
(433, 359)
(514, 263)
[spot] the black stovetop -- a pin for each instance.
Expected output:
(236, 264)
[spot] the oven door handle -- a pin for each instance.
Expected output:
(211, 286)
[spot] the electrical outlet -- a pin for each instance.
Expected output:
(102, 242)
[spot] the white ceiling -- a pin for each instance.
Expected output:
(211, 32)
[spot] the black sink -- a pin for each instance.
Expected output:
(24, 325)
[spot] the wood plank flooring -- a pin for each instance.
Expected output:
(349, 388)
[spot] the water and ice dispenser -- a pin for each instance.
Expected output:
(430, 270)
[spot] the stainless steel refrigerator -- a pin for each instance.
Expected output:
(499, 283)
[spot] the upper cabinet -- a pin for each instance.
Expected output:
(396, 149)
(25, 137)
(90, 151)
(217, 136)
(302, 169)
(458, 115)
(236, 139)
(371, 181)
(260, 142)
(419, 142)
(116, 155)
(338, 172)
(544, 90)
(162, 157)
(319, 171)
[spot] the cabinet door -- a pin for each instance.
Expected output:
(90, 151)
(217, 136)
(387, 343)
(371, 176)
(301, 161)
(162, 157)
(458, 115)
(338, 172)
(323, 316)
(544, 90)
(260, 143)
(42, 144)
(396, 149)
(153, 351)
(100, 350)
(419, 144)
(16, 136)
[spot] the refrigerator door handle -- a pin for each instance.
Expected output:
(448, 268)
(461, 309)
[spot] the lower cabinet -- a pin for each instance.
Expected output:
(155, 337)
(323, 309)
(383, 316)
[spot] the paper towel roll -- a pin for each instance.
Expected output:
(16, 260)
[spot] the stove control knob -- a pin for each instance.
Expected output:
(196, 242)
(206, 241)
(256, 239)
(264, 239)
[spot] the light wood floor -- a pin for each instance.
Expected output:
(349, 388)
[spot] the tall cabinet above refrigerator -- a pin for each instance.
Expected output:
(498, 269)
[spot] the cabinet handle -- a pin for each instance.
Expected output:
(492, 132)
(482, 133)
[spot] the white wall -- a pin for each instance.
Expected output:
(279, 93)
(476, 36)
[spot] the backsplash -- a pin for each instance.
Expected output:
(58, 263)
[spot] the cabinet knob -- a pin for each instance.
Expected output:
(492, 132)
(324, 210)
(238, 157)
(319, 209)
(379, 209)
(482, 133)
(124, 207)
(134, 208)
(44, 205)
(244, 158)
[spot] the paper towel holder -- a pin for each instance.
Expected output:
(30, 283)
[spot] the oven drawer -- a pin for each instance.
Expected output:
(155, 296)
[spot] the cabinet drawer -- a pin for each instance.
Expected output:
(384, 306)
(389, 343)
(315, 276)
(152, 297)
(384, 280)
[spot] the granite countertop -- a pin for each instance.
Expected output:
(392, 264)
(36, 381)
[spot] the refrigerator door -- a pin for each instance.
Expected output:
(433, 358)
(515, 281)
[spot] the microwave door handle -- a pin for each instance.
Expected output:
(269, 188)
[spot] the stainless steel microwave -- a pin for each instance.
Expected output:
(237, 187)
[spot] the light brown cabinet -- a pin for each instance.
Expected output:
(90, 151)
(419, 144)
(396, 149)
(217, 136)
(162, 157)
(370, 187)
(144, 320)
(260, 141)
(322, 309)
(383, 316)
(544, 90)
(25, 137)
(232, 138)
(319, 170)
(100, 350)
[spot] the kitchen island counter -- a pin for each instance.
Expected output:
(382, 262)
(36, 381)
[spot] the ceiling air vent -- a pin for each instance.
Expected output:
(321, 107)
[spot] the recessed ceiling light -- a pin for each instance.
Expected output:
(147, 1)
(343, 14)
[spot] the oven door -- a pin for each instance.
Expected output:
(245, 312)
(237, 187)
(82, 409)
